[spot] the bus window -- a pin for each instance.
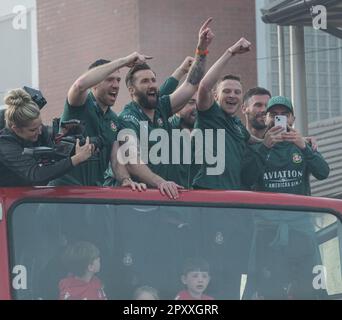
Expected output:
(252, 253)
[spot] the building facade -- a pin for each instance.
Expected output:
(323, 56)
(63, 38)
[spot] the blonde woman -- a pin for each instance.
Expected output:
(24, 129)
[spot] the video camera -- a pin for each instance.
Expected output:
(36, 96)
(64, 143)
(71, 131)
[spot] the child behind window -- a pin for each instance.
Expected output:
(196, 279)
(82, 259)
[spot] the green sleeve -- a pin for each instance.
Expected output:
(174, 122)
(209, 118)
(211, 112)
(169, 86)
(317, 165)
(165, 106)
(253, 164)
(71, 112)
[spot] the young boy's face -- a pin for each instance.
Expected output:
(196, 282)
(95, 266)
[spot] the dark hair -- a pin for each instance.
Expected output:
(78, 256)
(231, 77)
(257, 91)
(133, 70)
(98, 63)
(228, 77)
(195, 264)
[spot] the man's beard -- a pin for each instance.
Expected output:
(144, 102)
(257, 124)
(188, 123)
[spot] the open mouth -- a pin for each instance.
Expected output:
(113, 94)
(231, 103)
(152, 94)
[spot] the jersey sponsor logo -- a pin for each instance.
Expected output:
(219, 239)
(297, 158)
(131, 118)
(283, 179)
(128, 259)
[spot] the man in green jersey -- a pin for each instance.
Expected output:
(284, 161)
(149, 111)
(167, 88)
(185, 169)
(216, 111)
(90, 99)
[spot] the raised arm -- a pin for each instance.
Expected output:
(78, 92)
(182, 95)
(183, 69)
(170, 85)
(205, 93)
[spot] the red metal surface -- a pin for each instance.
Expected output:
(202, 197)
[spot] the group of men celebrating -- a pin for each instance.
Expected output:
(260, 156)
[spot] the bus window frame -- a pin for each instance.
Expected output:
(95, 201)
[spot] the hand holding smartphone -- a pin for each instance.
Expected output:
(280, 121)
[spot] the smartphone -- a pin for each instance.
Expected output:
(280, 121)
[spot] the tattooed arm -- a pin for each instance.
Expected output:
(184, 93)
(205, 90)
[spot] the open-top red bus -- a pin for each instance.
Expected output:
(258, 245)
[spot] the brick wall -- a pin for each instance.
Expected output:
(169, 30)
(72, 34)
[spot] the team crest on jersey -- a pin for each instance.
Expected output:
(238, 128)
(160, 122)
(297, 158)
(113, 126)
(128, 259)
(219, 239)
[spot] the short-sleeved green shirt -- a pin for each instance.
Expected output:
(97, 123)
(131, 117)
(235, 138)
(169, 86)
